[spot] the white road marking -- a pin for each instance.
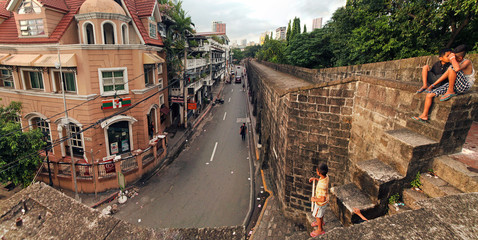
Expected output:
(229, 100)
(224, 118)
(213, 152)
(232, 90)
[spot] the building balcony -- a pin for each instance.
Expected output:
(195, 63)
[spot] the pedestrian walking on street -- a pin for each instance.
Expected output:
(243, 131)
(244, 87)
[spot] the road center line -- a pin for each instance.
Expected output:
(229, 100)
(224, 118)
(213, 152)
(232, 90)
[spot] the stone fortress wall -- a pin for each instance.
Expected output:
(354, 118)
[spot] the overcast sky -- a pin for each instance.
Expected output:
(247, 19)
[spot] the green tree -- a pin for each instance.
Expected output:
(288, 33)
(19, 151)
(176, 38)
(310, 50)
(295, 28)
(237, 54)
(305, 28)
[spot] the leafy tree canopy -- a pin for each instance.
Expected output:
(19, 151)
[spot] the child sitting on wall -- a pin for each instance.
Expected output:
(461, 77)
(430, 76)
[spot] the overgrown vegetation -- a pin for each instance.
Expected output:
(19, 150)
(366, 31)
(395, 198)
(416, 183)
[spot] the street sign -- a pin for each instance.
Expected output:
(121, 181)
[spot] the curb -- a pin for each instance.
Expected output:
(259, 219)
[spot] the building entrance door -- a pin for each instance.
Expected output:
(118, 137)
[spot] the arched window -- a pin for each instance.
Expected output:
(124, 32)
(152, 122)
(76, 140)
(44, 126)
(89, 33)
(108, 33)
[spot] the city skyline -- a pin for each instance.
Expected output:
(247, 19)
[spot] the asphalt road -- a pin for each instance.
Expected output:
(208, 185)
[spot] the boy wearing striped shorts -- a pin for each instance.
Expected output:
(461, 77)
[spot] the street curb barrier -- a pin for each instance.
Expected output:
(259, 219)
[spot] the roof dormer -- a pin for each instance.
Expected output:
(31, 16)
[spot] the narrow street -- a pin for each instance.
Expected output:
(208, 185)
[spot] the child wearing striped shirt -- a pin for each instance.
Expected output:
(321, 199)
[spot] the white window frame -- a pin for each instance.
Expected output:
(85, 35)
(27, 26)
(151, 22)
(34, 4)
(105, 125)
(161, 100)
(34, 115)
(58, 88)
(125, 33)
(125, 79)
(153, 74)
(114, 32)
(11, 74)
(22, 73)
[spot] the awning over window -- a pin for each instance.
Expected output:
(152, 58)
(49, 60)
(164, 110)
(20, 59)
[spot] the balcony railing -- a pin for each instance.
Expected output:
(195, 63)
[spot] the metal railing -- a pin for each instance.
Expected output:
(128, 164)
(148, 156)
(84, 170)
(64, 168)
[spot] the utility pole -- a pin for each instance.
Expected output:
(47, 159)
(185, 84)
(68, 133)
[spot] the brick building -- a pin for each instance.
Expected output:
(109, 55)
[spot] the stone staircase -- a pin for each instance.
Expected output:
(374, 181)
(452, 178)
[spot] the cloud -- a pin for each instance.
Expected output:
(247, 19)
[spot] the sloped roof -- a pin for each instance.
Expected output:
(3, 12)
(56, 4)
(135, 8)
(144, 7)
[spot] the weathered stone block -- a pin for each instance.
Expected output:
(323, 108)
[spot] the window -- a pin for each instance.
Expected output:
(153, 30)
(44, 127)
(148, 74)
(151, 123)
(124, 32)
(119, 138)
(161, 100)
(6, 78)
(113, 81)
(90, 34)
(69, 81)
(76, 141)
(33, 80)
(33, 27)
(28, 6)
(108, 33)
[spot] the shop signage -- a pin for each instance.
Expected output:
(192, 106)
(116, 103)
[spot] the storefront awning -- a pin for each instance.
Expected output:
(20, 59)
(49, 60)
(152, 58)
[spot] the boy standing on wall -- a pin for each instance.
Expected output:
(321, 198)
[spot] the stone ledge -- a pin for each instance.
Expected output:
(436, 187)
(450, 217)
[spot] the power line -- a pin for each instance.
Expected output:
(96, 97)
(63, 139)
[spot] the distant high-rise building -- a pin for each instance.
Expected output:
(316, 23)
(218, 27)
(263, 36)
(243, 42)
(280, 33)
